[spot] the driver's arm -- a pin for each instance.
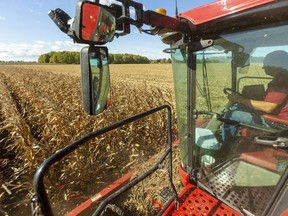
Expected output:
(265, 106)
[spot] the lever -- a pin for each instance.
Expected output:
(281, 142)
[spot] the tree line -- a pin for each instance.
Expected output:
(69, 57)
(63, 57)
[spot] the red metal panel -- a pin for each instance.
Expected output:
(267, 158)
(258, 155)
(285, 213)
(194, 201)
(277, 119)
(220, 9)
(86, 206)
(183, 176)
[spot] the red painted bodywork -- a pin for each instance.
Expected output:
(183, 176)
(221, 8)
(194, 201)
(285, 213)
(86, 206)
(261, 157)
(277, 119)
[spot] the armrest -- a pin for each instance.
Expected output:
(274, 118)
(260, 128)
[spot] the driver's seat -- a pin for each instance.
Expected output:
(276, 123)
(250, 146)
(265, 156)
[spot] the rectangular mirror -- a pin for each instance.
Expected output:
(95, 79)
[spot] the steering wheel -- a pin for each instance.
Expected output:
(219, 116)
(229, 91)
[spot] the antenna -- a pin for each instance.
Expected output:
(176, 9)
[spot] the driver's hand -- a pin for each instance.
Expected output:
(235, 97)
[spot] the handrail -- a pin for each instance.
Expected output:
(38, 183)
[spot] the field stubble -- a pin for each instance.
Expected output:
(41, 112)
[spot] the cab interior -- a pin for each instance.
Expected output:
(247, 174)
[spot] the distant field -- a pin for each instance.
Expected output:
(151, 74)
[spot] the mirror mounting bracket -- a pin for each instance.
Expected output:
(123, 16)
(201, 44)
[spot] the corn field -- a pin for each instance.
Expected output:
(41, 112)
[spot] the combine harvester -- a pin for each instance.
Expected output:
(228, 39)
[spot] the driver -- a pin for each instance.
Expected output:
(275, 102)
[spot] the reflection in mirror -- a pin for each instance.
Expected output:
(95, 78)
(241, 59)
(242, 62)
(97, 23)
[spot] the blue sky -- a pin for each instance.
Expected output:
(27, 31)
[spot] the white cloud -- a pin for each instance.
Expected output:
(43, 42)
(2, 18)
(31, 52)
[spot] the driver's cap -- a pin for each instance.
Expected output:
(278, 59)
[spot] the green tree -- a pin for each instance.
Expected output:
(54, 58)
(67, 57)
(44, 58)
(111, 58)
(76, 56)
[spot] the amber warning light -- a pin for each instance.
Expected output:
(161, 11)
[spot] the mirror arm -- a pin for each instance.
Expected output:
(129, 3)
(155, 19)
(149, 17)
(124, 19)
(126, 26)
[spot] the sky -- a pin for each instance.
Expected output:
(27, 31)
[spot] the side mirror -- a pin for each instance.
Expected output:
(95, 79)
(242, 62)
(94, 23)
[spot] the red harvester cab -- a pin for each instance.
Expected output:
(216, 47)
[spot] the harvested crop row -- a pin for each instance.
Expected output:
(50, 106)
(16, 139)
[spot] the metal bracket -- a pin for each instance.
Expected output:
(199, 45)
(35, 207)
(175, 46)
(166, 194)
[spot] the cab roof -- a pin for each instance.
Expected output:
(219, 9)
(228, 16)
